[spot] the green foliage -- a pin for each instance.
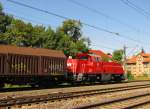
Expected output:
(117, 55)
(72, 28)
(24, 34)
(130, 76)
(1, 7)
(70, 38)
(145, 74)
(105, 59)
(17, 33)
(5, 20)
(50, 40)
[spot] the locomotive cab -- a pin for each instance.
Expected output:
(89, 57)
(84, 66)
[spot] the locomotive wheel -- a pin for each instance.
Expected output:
(117, 79)
(2, 85)
(34, 85)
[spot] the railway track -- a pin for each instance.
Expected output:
(38, 91)
(29, 88)
(10, 102)
(128, 102)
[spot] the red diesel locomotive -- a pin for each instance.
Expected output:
(37, 66)
(90, 67)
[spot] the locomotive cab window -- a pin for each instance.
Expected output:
(98, 59)
(83, 57)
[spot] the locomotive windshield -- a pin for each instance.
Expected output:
(83, 57)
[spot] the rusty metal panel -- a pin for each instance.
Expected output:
(19, 61)
(2, 63)
(36, 65)
(52, 66)
(39, 65)
(32, 65)
(29, 66)
(30, 51)
(22, 65)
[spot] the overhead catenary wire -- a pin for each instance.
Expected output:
(144, 11)
(110, 48)
(31, 20)
(107, 16)
(60, 16)
(64, 17)
(103, 14)
(136, 8)
(134, 48)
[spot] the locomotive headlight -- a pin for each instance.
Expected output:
(69, 64)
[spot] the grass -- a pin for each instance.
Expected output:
(15, 86)
(141, 78)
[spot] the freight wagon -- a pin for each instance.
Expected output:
(34, 66)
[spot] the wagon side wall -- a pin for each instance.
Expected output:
(53, 66)
(3, 64)
(20, 65)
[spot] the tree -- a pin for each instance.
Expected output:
(142, 50)
(72, 28)
(105, 59)
(71, 40)
(5, 20)
(19, 33)
(38, 36)
(1, 7)
(50, 40)
(130, 76)
(117, 55)
(24, 34)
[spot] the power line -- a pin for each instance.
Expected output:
(30, 20)
(64, 17)
(37, 9)
(103, 14)
(60, 16)
(144, 11)
(134, 48)
(104, 46)
(136, 8)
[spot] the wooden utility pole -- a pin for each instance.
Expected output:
(124, 59)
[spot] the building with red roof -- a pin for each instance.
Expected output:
(101, 54)
(139, 65)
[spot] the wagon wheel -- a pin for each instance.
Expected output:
(2, 85)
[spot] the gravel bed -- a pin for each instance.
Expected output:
(4, 95)
(146, 106)
(71, 103)
(125, 103)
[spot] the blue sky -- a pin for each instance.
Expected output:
(138, 29)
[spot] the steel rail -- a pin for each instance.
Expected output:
(62, 96)
(106, 102)
(137, 104)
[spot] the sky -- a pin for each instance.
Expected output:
(132, 26)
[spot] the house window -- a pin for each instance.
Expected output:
(145, 64)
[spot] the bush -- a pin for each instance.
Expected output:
(145, 75)
(130, 75)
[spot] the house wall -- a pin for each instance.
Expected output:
(139, 68)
